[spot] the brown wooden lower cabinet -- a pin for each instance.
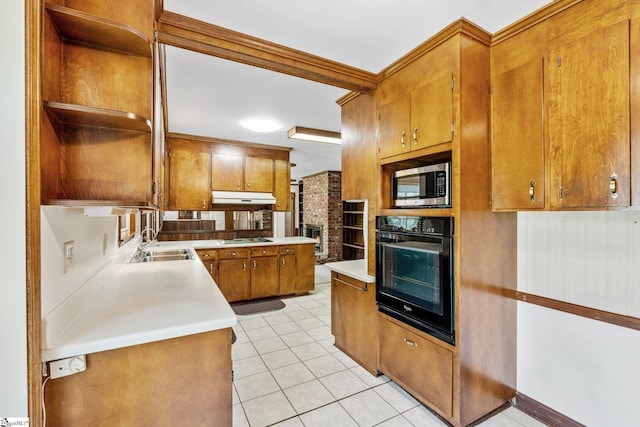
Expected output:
(234, 277)
(354, 321)
(420, 366)
(179, 381)
(264, 272)
(255, 272)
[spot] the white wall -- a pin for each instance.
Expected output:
(60, 225)
(13, 332)
(586, 369)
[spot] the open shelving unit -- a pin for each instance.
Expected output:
(354, 224)
(97, 100)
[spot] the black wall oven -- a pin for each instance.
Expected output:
(414, 272)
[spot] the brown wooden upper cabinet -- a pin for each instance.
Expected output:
(238, 173)
(198, 165)
(589, 117)
(517, 111)
(282, 185)
(418, 119)
(561, 112)
(189, 174)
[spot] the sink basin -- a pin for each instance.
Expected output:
(162, 255)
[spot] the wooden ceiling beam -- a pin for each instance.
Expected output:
(188, 33)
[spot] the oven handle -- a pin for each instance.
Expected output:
(365, 289)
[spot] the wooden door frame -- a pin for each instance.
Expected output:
(33, 112)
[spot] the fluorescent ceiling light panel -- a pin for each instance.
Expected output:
(315, 135)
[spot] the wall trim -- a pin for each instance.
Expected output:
(581, 310)
(543, 413)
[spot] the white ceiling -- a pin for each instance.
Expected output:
(208, 96)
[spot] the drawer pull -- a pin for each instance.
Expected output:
(264, 252)
(363, 289)
(409, 342)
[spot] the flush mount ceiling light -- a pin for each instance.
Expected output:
(261, 124)
(316, 135)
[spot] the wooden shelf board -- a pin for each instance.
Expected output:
(84, 28)
(101, 117)
(352, 227)
(351, 245)
(132, 204)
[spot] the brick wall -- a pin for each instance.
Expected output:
(322, 205)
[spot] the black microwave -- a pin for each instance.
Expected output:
(422, 187)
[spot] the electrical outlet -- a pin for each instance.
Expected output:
(105, 240)
(68, 255)
(69, 366)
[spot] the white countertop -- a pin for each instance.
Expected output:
(354, 268)
(138, 303)
(202, 244)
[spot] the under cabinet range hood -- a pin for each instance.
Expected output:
(242, 198)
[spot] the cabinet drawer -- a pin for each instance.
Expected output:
(207, 254)
(424, 368)
(233, 253)
(264, 251)
(287, 250)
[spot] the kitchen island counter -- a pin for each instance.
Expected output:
(127, 304)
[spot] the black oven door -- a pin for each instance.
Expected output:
(414, 281)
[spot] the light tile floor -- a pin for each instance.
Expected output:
(288, 373)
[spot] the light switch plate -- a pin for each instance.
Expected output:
(68, 255)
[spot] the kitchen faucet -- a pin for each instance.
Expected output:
(146, 241)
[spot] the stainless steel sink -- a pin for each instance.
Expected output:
(162, 255)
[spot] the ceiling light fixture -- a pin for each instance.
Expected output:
(261, 124)
(316, 135)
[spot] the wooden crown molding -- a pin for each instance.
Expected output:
(532, 19)
(462, 26)
(211, 140)
(188, 33)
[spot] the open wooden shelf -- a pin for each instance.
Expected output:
(101, 117)
(84, 28)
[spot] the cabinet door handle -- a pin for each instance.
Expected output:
(402, 138)
(211, 268)
(244, 265)
(613, 186)
(238, 184)
(532, 195)
(254, 264)
(204, 203)
(248, 184)
(415, 135)
(409, 342)
(283, 262)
